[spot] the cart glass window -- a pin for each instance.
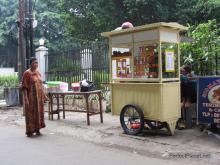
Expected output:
(121, 62)
(169, 52)
(146, 61)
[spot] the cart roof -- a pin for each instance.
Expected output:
(171, 25)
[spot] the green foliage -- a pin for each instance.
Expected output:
(86, 19)
(9, 81)
(50, 25)
(66, 22)
(205, 48)
(206, 10)
(61, 20)
(8, 16)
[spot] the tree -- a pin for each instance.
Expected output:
(8, 16)
(50, 26)
(206, 10)
(75, 20)
(86, 19)
(203, 53)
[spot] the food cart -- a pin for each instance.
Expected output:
(145, 76)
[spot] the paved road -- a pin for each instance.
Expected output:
(52, 149)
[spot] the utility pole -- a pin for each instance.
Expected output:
(21, 42)
(26, 46)
(31, 28)
(29, 32)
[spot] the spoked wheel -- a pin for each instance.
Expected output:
(155, 124)
(132, 119)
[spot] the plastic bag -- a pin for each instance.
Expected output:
(86, 86)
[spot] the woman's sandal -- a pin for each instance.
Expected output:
(29, 134)
(38, 133)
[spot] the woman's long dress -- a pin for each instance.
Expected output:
(34, 112)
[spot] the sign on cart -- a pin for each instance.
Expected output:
(209, 100)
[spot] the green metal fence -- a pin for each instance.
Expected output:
(82, 61)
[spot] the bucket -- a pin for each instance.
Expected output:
(75, 87)
(11, 96)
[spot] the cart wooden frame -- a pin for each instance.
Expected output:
(145, 75)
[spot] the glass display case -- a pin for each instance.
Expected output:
(145, 61)
(146, 56)
(142, 62)
(121, 62)
(170, 65)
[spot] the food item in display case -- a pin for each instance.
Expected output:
(119, 54)
(145, 63)
(123, 68)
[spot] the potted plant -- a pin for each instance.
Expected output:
(79, 101)
(11, 90)
(106, 101)
(94, 104)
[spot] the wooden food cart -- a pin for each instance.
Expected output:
(145, 76)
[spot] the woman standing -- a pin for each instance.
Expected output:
(34, 98)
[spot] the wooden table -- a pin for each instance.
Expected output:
(61, 95)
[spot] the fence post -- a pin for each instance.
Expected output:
(41, 55)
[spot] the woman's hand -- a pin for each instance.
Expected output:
(46, 98)
(26, 102)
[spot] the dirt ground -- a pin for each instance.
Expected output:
(188, 146)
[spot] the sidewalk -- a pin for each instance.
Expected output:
(191, 142)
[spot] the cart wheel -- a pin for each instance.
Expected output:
(155, 124)
(132, 119)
